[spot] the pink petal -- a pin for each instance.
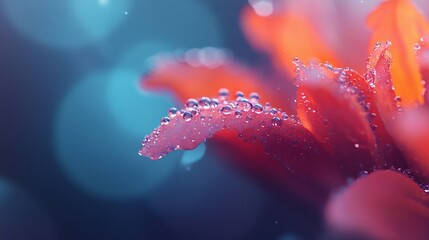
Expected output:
(334, 114)
(412, 134)
(383, 205)
(282, 136)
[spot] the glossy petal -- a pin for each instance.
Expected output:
(332, 112)
(412, 134)
(400, 22)
(283, 137)
(284, 36)
(383, 205)
(202, 72)
(423, 59)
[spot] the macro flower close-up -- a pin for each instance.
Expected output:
(214, 119)
(346, 134)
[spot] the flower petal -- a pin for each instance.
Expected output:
(412, 134)
(383, 205)
(400, 22)
(283, 137)
(285, 35)
(335, 117)
(202, 72)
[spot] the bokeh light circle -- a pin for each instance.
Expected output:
(66, 23)
(96, 152)
(21, 216)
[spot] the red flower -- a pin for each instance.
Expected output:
(345, 124)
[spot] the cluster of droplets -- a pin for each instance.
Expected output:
(227, 106)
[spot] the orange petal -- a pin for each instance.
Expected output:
(399, 22)
(202, 72)
(335, 117)
(382, 205)
(285, 35)
(412, 133)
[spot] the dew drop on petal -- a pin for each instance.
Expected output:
(172, 112)
(165, 120)
(187, 116)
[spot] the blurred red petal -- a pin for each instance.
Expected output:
(412, 134)
(332, 112)
(283, 137)
(382, 205)
(285, 35)
(201, 73)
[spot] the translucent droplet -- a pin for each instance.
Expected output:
(296, 61)
(165, 120)
(214, 103)
(238, 114)
(254, 97)
(191, 103)
(172, 112)
(425, 188)
(363, 173)
(187, 116)
(223, 93)
(248, 119)
(239, 94)
(276, 121)
(273, 111)
(226, 110)
(356, 145)
(204, 102)
(258, 108)
(417, 46)
(284, 116)
(244, 104)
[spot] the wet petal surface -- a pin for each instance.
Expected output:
(400, 22)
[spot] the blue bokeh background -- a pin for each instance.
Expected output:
(72, 118)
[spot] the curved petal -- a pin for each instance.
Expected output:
(400, 22)
(423, 59)
(412, 134)
(202, 72)
(285, 35)
(382, 205)
(333, 114)
(283, 137)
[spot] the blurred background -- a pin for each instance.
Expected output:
(72, 118)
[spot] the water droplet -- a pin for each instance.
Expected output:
(356, 145)
(214, 103)
(238, 114)
(239, 94)
(187, 116)
(254, 97)
(223, 93)
(248, 119)
(273, 111)
(165, 120)
(363, 173)
(417, 46)
(296, 61)
(244, 104)
(285, 116)
(191, 103)
(226, 110)
(425, 188)
(258, 108)
(204, 102)
(276, 121)
(172, 112)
